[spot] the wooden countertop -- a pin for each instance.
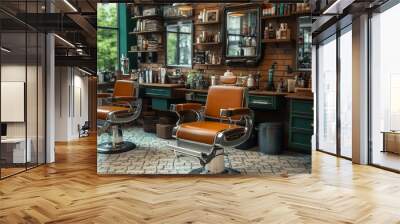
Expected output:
(299, 96)
(160, 85)
(193, 90)
(266, 93)
(252, 92)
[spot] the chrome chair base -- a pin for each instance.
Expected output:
(203, 170)
(109, 148)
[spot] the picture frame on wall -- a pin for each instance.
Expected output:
(212, 15)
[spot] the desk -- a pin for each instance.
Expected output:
(13, 150)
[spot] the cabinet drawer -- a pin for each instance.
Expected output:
(158, 92)
(300, 140)
(159, 104)
(200, 97)
(164, 104)
(302, 107)
(263, 102)
(302, 122)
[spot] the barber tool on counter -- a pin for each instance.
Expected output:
(291, 85)
(135, 74)
(147, 76)
(250, 82)
(257, 78)
(271, 72)
(124, 65)
(213, 80)
(241, 80)
(176, 77)
(281, 86)
(163, 73)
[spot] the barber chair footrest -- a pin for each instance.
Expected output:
(107, 147)
(205, 171)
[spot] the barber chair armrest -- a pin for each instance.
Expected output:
(186, 106)
(123, 98)
(197, 108)
(104, 95)
(239, 111)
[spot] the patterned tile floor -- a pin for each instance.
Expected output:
(152, 156)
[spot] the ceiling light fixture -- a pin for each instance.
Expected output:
(337, 7)
(5, 50)
(70, 5)
(84, 71)
(64, 40)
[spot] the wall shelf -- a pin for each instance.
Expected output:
(276, 17)
(146, 32)
(296, 14)
(147, 17)
(144, 51)
(206, 23)
(199, 64)
(275, 41)
(207, 43)
(178, 17)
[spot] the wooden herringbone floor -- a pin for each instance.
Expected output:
(71, 192)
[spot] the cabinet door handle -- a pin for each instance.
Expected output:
(261, 102)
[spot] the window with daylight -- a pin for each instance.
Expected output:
(107, 37)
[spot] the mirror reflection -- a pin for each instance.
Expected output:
(242, 33)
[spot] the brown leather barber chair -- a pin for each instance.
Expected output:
(121, 107)
(225, 121)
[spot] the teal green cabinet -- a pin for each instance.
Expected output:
(161, 97)
(301, 125)
(199, 97)
(265, 102)
(158, 92)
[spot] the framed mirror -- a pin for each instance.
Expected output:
(242, 34)
(179, 37)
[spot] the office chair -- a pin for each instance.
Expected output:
(83, 130)
(225, 121)
(122, 107)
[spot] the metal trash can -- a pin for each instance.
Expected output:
(251, 142)
(270, 137)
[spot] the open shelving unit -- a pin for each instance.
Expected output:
(144, 51)
(207, 23)
(146, 32)
(207, 43)
(277, 41)
(211, 27)
(148, 35)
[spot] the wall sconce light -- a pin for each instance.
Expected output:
(5, 50)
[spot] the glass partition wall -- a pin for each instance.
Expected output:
(22, 77)
(345, 90)
(327, 80)
(385, 89)
(334, 92)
